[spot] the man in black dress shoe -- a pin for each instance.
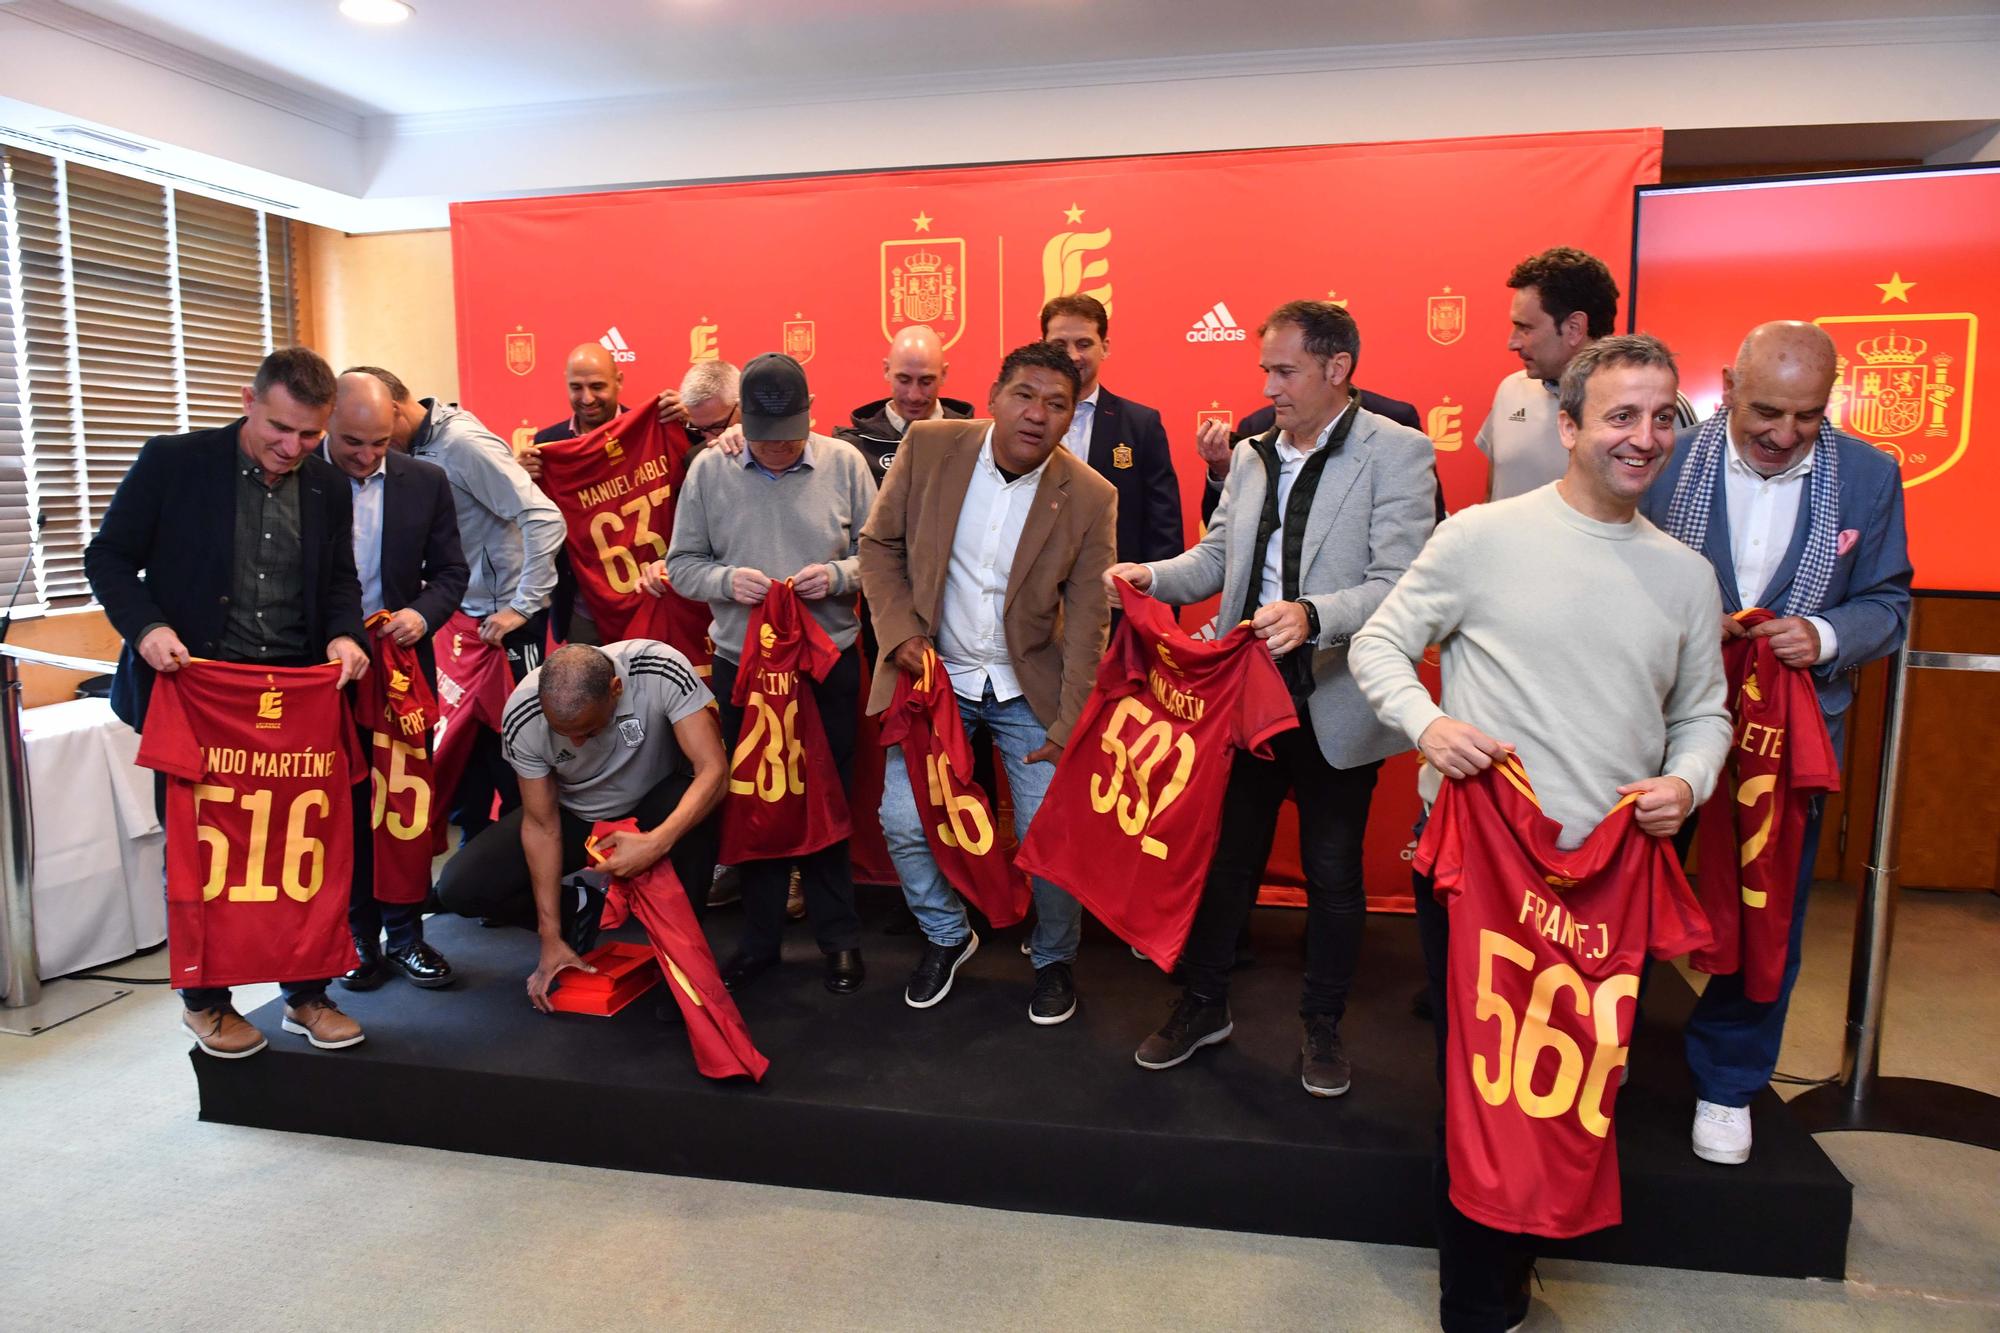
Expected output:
(408, 560)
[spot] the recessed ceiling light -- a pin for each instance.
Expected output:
(377, 11)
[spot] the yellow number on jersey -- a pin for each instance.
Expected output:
(620, 551)
(300, 851)
(772, 744)
(1523, 1037)
(1136, 811)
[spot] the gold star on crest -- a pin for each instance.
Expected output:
(1073, 213)
(922, 221)
(1895, 289)
(1339, 300)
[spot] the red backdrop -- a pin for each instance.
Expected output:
(1416, 239)
(1902, 269)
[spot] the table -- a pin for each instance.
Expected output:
(100, 853)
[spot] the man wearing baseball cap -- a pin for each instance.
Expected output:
(789, 506)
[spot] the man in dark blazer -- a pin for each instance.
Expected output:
(233, 543)
(1123, 440)
(1807, 523)
(407, 557)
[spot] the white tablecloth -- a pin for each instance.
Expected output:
(99, 850)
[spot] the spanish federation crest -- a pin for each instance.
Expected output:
(631, 731)
(1444, 318)
(923, 282)
(1904, 384)
(520, 351)
(799, 340)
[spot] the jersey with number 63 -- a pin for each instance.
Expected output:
(1541, 990)
(1128, 826)
(617, 488)
(260, 764)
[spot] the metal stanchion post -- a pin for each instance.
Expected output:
(27, 1008)
(1863, 1098)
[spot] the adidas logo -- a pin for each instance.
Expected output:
(614, 342)
(1216, 326)
(1520, 414)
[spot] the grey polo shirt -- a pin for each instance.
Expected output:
(620, 764)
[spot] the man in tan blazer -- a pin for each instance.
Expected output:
(989, 544)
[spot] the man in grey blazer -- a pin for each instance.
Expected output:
(1317, 521)
(1807, 523)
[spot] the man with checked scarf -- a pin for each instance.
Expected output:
(1807, 523)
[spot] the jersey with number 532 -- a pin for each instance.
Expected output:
(260, 762)
(1129, 823)
(1542, 984)
(617, 488)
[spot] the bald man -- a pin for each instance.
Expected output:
(1806, 522)
(594, 384)
(408, 559)
(915, 370)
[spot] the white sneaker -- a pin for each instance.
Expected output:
(1721, 1133)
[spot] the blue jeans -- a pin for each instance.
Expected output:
(938, 908)
(1732, 1042)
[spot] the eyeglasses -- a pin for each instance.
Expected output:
(698, 432)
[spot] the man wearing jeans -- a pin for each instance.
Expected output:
(990, 541)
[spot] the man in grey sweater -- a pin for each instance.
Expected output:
(790, 506)
(1579, 636)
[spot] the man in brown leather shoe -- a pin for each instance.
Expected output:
(320, 1022)
(222, 1032)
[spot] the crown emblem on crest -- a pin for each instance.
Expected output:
(1892, 349)
(923, 261)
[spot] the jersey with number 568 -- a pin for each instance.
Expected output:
(1542, 983)
(1129, 823)
(260, 764)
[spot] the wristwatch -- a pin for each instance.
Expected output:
(1312, 620)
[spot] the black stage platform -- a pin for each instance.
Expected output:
(970, 1103)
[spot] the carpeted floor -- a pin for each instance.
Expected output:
(123, 1211)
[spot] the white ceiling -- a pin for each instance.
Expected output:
(466, 55)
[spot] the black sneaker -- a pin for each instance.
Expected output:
(931, 981)
(586, 917)
(1194, 1023)
(1323, 1067)
(1055, 995)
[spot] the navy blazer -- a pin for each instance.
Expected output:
(423, 566)
(1868, 597)
(165, 551)
(1259, 423)
(1149, 495)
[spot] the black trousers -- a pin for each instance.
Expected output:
(1333, 816)
(487, 773)
(1480, 1268)
(489, 876)
(826, 876)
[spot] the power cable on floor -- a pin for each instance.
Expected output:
(124, 981)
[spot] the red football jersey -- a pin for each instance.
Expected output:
(397, 707)
(260, 834)
(715, 1027)
(784, 796)
(1542, 987)
(1128, 825)
(958, 818)
(472, 688)
(617, 488)
(1751, 835)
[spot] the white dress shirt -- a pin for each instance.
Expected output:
(1290, 462)
(1763, 516)
(1077, 438)
(368, 534)
(972, 633)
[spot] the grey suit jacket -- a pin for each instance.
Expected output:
(1868, 597)
(1372, 513)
